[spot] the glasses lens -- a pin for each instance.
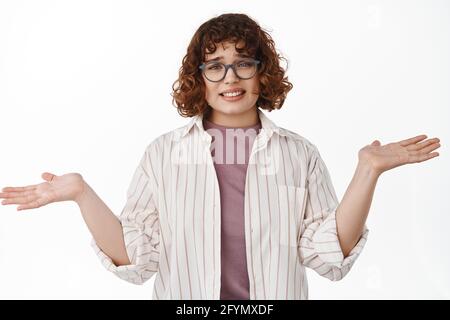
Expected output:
(245, 69)
(214, 71)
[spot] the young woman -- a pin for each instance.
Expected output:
(230, 206)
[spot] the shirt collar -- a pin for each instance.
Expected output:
(267, 125)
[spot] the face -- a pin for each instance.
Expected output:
(227, 54)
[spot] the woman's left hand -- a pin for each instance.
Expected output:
(385, 157)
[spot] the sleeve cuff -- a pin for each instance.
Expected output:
(131, 273)
(327, 246)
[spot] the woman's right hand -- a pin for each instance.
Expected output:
(55, 188)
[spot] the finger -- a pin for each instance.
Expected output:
(376, 143)
(47, 176)
(20, 200)
(416, 139)
(19, 189)
(6, 195)
(32, 205)
(423, 157)
(425, 150)
(430, 148)
(418, 146)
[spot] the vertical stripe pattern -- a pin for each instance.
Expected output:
(171, 219)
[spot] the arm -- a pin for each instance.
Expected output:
(101, 222)
(104, 226)
(375, 159)
(319, 246)
(352, 212)
(127, 245)
(139, 224)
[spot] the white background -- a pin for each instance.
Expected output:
(85, 86)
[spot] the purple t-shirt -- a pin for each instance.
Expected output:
(230, 150)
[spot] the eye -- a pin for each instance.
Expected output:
(244, 64)
(214, 66)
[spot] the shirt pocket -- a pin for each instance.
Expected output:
(291, 203)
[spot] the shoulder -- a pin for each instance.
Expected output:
(165, 140)
(305, 144)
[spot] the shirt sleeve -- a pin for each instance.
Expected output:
(140, 226)
(319, 246)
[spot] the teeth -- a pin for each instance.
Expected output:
(232, 94)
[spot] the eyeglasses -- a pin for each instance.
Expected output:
(216, 71)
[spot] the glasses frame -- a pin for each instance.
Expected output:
(228, 66)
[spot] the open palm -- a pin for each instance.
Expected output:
(55, 188)
(391, 155)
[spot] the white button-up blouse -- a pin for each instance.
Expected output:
(171, 219)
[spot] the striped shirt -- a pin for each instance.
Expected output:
(171, 219)
(231, 149)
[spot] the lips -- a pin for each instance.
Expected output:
(233, 90)
(232, 98)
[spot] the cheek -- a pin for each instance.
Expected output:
(255, 86)
(254, 82)
(210, 91)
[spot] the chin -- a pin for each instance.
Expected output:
(232, 108)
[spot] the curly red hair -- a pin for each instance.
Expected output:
(189, 89)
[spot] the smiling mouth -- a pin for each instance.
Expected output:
(232, 94)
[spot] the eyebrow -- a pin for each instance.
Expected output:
(221, 57)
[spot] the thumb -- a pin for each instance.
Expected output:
(47, 176)
(376, 143)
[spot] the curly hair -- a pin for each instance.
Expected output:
(189, 89)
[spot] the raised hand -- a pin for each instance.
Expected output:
(391, 155)
(55, 188)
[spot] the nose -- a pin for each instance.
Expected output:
(230, 76)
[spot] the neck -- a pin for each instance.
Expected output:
(239, 120)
